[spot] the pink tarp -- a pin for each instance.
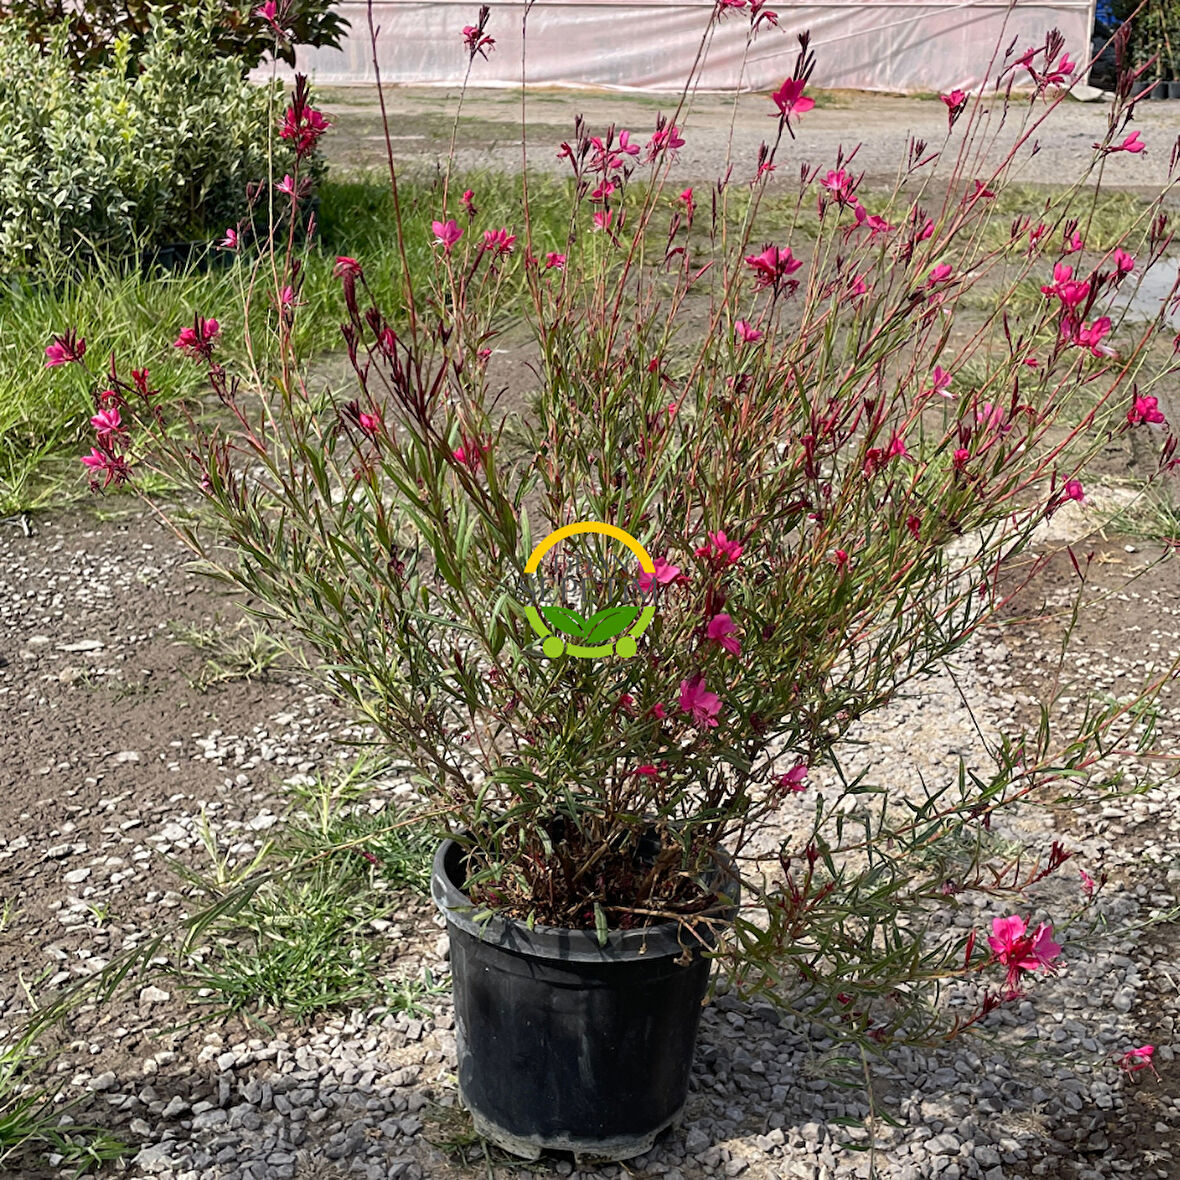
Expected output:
(894, 45)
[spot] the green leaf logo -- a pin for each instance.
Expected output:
(606, 624)
(569, 622)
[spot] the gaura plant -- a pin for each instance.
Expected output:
(834, 420)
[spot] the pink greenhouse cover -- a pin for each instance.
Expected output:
(893, 45)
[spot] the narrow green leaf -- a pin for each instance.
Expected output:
(600, 924)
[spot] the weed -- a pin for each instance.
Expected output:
(243, 652)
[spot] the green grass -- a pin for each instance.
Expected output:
(244, 651)
(304, 940)
(44, 413)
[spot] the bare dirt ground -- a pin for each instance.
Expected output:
(488, 133)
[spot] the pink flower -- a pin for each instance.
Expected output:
(1088, 883)
(1133, 1060)
(840, 184)
(1074, 243)
(1018, 950)
(664, 139)
(659, 711)
(697, 700)
(470, 453)
(858, 287)
(790, 100)
(554, 261)
(1089, 336)
(940, 274)
(980, 192)
(773, 265)
(914, 524)
(64, 350)
(468, 201)
(1061, 74)
(346, 266)
(288, 186)
(198, 340)
(942, 383)
(876, 225)
(476, 42)
(602, 219)
(748, 333)
(1073, 490)
(686, 198)
(662, 575)
(795, 779)
(230, 241)
(625, 145)
(840, 557)
(269, 12)
(114, 466)
(897, 448)
(1132, 144)
(721, 628)
(108, 426)
(304, 126)
(1145, 409)
(499, 240)
(446, 232)
(605, 189)
(955, 102)
(1124, 263)
(960, 458)
(647, 770)
(369, 423)
(1073, 293)
(719, 545)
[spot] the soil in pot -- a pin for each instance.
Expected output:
(566, 1044)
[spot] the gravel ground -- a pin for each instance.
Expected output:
(489, 133)
(115, 755)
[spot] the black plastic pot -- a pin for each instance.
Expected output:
(1159, 90)
(564, 1044)
(1174, 90)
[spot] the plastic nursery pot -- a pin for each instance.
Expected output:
(1159, 90)
(1174, 89)
(563, 1044)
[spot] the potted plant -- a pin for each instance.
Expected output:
(762, 483)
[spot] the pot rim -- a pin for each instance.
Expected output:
(555, 942)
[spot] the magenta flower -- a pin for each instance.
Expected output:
(499, 240)
(686, 198)
(858, 287)
(795, 779)
(647, 770)
(64, 350)
(664, 139)
(659, 711)
(114, 466)
(468, 202)
(1019, 951)
(1074, 243)
(876, 225)
(942, 383)
(747, 332)
(840, 185)
(722, 629)
(993, 418)
(697, 700)
(1060, 75)
(790, 100)
(1133, 1060)
(198, 340)
(1088, 883)
(288, 186)
(602, 219)
(369, 423)
(662, 575)
(108, 426)
(940, 274)
(1089, 336)
(1073, 490)
(446, 232)
(1124, 263)
(773, 265)
(230, 241)
(603, 191)
(346, 266)
(720, 546)
(1145, 409)
(470, 453)
(955, 102)
(269, 12)
(960, 458)
(476, 42)
(1132, 144)
(554, 261)
(304, 126)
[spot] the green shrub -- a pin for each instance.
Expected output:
(114, 159)
(95, 26)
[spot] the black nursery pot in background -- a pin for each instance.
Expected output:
(564, 1044)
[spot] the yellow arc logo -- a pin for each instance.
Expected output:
(624, 644)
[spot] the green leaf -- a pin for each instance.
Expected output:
(567, 621)
(600, 925)
(606, 624)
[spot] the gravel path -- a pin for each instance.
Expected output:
(116, 780)
(489, 133)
